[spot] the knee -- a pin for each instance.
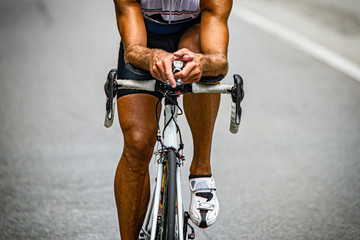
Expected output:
(138, 150)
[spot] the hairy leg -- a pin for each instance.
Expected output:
(201, 111)
(131, 185)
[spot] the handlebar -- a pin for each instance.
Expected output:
(237, 93)
(154, 85)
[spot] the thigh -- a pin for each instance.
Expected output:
(137, 117)
(191, 39)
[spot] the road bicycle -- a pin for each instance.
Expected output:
(165, 218)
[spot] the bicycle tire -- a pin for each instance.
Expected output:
(171, 197)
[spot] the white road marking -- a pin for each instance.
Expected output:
(312, 48)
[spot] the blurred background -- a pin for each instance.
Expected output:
(292, 171)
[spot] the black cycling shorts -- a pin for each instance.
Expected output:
(167, 42)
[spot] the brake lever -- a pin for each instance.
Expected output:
(110, 88)
(237, 95)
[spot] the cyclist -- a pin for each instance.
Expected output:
(154, 33)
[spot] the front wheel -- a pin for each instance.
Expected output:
(170, 207)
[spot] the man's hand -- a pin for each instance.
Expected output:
(193, 66)
(161, 66)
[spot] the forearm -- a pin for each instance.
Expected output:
(213, 64)
(214, 37)
(138, 56)
(134, 38)
(133, 33)
(142, 57)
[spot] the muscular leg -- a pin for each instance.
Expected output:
(201, 117)
(201, 111)
(131, 185)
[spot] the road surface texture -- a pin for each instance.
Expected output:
(292, 172)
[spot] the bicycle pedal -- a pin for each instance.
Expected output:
(192, 234)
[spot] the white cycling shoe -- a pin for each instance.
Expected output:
(204, 205)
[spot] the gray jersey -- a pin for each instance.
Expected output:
(171, 11)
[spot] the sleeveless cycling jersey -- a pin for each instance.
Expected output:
(170, 11)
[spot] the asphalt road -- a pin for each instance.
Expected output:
(292, 172)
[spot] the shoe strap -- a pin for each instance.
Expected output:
(205, 206)
(206, 183)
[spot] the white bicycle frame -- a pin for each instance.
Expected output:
(170, 141)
